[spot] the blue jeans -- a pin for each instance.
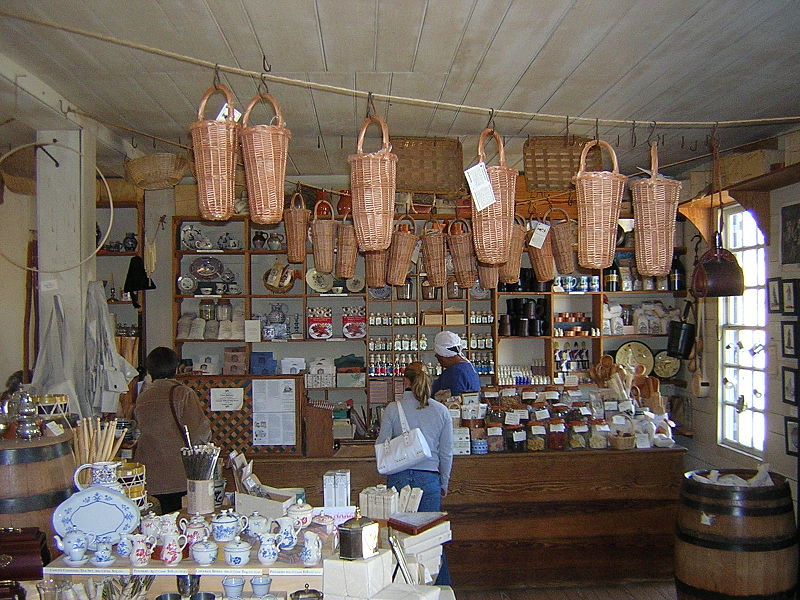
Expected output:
(431, 487)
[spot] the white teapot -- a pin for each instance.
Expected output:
(195, 529)
(301, 513)
(150, 525)
(225, 525)
(257, 524)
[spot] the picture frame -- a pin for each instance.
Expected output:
(790, 234)
(789, 339)
(791, 429)
(789, 297)
(789, 385)
(775, 295)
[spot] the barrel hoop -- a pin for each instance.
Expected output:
(739, 511)
(720, 492)
(733, 545)
(685, 588)
(16, 456)
(36, 502)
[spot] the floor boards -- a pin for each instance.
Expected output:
(626, 591)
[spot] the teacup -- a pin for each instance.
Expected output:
(76, 554)
(220, 287)
(234, 288)
(205, 290)
(103, 552)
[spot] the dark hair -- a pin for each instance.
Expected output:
(162, 363)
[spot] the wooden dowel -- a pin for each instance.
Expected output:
(118, 444)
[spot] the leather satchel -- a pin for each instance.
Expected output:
(717, 273)
(23, 553)
(404, 451)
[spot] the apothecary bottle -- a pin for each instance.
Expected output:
(537, 436)
(578, 435)
(515, 438)
(207, 310)
(598, 434)
(224, 310)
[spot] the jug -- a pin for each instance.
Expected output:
(312, 549)
(258, 240)
(141, 549)
(169, 524)
(151, 525)
(172, 546)
(103, 473)
(288, 531)
(268, 551)
(277, 315)
(275, 241)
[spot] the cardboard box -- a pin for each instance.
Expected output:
(235, 361)
(357, 578)
(292, 366)
(263, 363)
(343, 429)
(451, 316)
(275, 506)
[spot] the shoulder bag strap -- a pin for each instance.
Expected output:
(175, 413)
(403, 420)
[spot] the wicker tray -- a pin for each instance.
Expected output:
(552, 161)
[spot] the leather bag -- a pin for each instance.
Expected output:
(23, 553)
(717, 273)
(404, 451)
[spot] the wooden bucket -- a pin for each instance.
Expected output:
(35, 477)
(735, 542)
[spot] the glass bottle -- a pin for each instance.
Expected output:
(677, 275)
(224, 310)
(611, 278)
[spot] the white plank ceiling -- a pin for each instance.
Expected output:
(643, 60)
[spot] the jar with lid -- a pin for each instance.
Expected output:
(540, 411)
(224, 310)
(559, 411)
(495, 437)
(578, 435)
(517, 414)
(515, 438)
(207, 310)
(537, 436)
(598, 433)
(496, 414)
(580, 411)
(556, 434)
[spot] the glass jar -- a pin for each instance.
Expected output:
(521, 413)
(207, 310)
(224, 310)
(598, 434)
(495, 437)
(578, 435)
(537, 436)
(496, 414)
(556, 434)
(580, 411)
(540, 411)
(515, 438)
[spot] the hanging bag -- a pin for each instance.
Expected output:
(404, 451)
(599, 196)
(214, 144)
(264, 152)
(346, 248)
(323, 237)
(296, 220)
(680, 336)
(404, 239)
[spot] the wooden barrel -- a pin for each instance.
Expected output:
(35, 477)
(735, 542)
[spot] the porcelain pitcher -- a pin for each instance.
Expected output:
(268, 551)
(103, 473)
(311, 553)
(141, 549)
(288, 530)
(172, 548)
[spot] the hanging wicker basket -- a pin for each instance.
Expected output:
(264, 152)
(375, 268)
(563, 236)
(551, 161)
(488, 275)
(372, 184)
(214, 143)
(296, 221)
(462, 251)
(599, 199)
(158, 171)
(433, 251)
(404, 239)
(655, 204)
(541, 258)
(509, 270)
(492, 225)
(19, 171)
(323, 238)
(346, 248)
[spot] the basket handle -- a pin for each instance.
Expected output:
(409, 218)
(387, 147)
(317, 204)
(296, 196)
(561, 210)
(653, 160)
(431, 222)
(345, 214)
(588, 146)
(269, 98)
(208, 93)
(467, 228)
(482, 140)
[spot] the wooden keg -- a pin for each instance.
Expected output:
(35, 477)
(735, 542)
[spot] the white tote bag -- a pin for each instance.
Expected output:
(404, 451)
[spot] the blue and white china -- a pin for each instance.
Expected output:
(261, 584)
(225, 525)
(195, 529)
(204, 552)
(233, 586)
(268, 551)
(96, 511)
(237, 552)
(124, 547)
(103, 473)
(72, 540)
(311, 553)
(257, 524)
(288, 530)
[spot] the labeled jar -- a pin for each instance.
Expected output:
(556, 434)
(537, 436)
(495, 437)
(224, 310)
(578, 435)
(540, 411)
(598, 434)
(515, 438)
(207, 310)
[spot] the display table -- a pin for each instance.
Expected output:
(523, 519)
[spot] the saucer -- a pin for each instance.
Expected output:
(355, 284)
(76, 563)
(319, 282)
(100, 563)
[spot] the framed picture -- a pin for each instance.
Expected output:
(790, 234)
(788, 294)
(790, 430)
(789, 339)
(789, 381)
(775, 303)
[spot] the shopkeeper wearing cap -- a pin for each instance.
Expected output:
(459, 375)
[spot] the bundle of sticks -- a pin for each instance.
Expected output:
(95, 442)
(200, 461)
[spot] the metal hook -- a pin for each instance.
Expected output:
(693, 147)
(490, 121)
(597, 129)
(633, 135)
(262, 88)
(566, 135)
(617, 140)
(370, 106)
(133, 142)
(264, 64)
(61, 105)
(43, 149)
(651, 132)
(216, 76)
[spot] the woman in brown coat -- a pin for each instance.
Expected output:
(162, 437)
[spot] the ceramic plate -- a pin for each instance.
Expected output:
(102, 563)
(75, 563)
(635, 353)
(479, 293)
(186, 284)
(97, 510)
(319, 282)
(355, 284)
(206, 267)
(381, 293)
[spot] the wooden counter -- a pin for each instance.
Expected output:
(538, 517)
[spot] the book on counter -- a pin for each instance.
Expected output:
(414, 523)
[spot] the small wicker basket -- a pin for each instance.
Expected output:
(551, 161)
(563, 235)
(404, 239)
(346, 248)
(158, 171)
(433, 251)
(509, 270)
(296, 220)
(488, 275)
(375, 268)
(462, 251)
(19, 171)
(623, 438)
(541, 258)
(323, 238)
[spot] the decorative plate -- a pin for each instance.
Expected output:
(75, 563)
(97, 510)
(228, 276)
(319, 282)
(477, 292)
(665, 366)
(381, 293)
(186, 284)
(635, 353)
(206, 267)
(355, 284)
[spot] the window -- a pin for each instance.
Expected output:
(743, 320)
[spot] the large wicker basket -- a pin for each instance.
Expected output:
(433, 251)
(599, 199)
(563, 235)
(372, 183)
(264, 152)
(214, 143)
(541, 258)
(509, 270)
(551, 161)
(404, 239)
(323, 238)
(492, 225)
(655, 203)
(158, 171)
(375, 268)
(19, 171)
(296, 221)
(462, 251)
(346, 248)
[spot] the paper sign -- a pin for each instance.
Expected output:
(479, 186)
(626, 405)
(225, 399)
(539, 234)
(512, 418)
(252, 330)
(48, 285)
(542, 414)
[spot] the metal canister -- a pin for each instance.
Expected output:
(358, 538)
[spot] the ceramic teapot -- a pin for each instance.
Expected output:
(275, 241)
(288, 530)
(225, 526)
(73, 540)
(268, 551)
(195, 529)
(204, 552)
(258, 240)
(150, 525)
(130, 243)
(311, 553)
(169, 524)
(257, 524)
(301, 513)
(223, 240)
(237, 552)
